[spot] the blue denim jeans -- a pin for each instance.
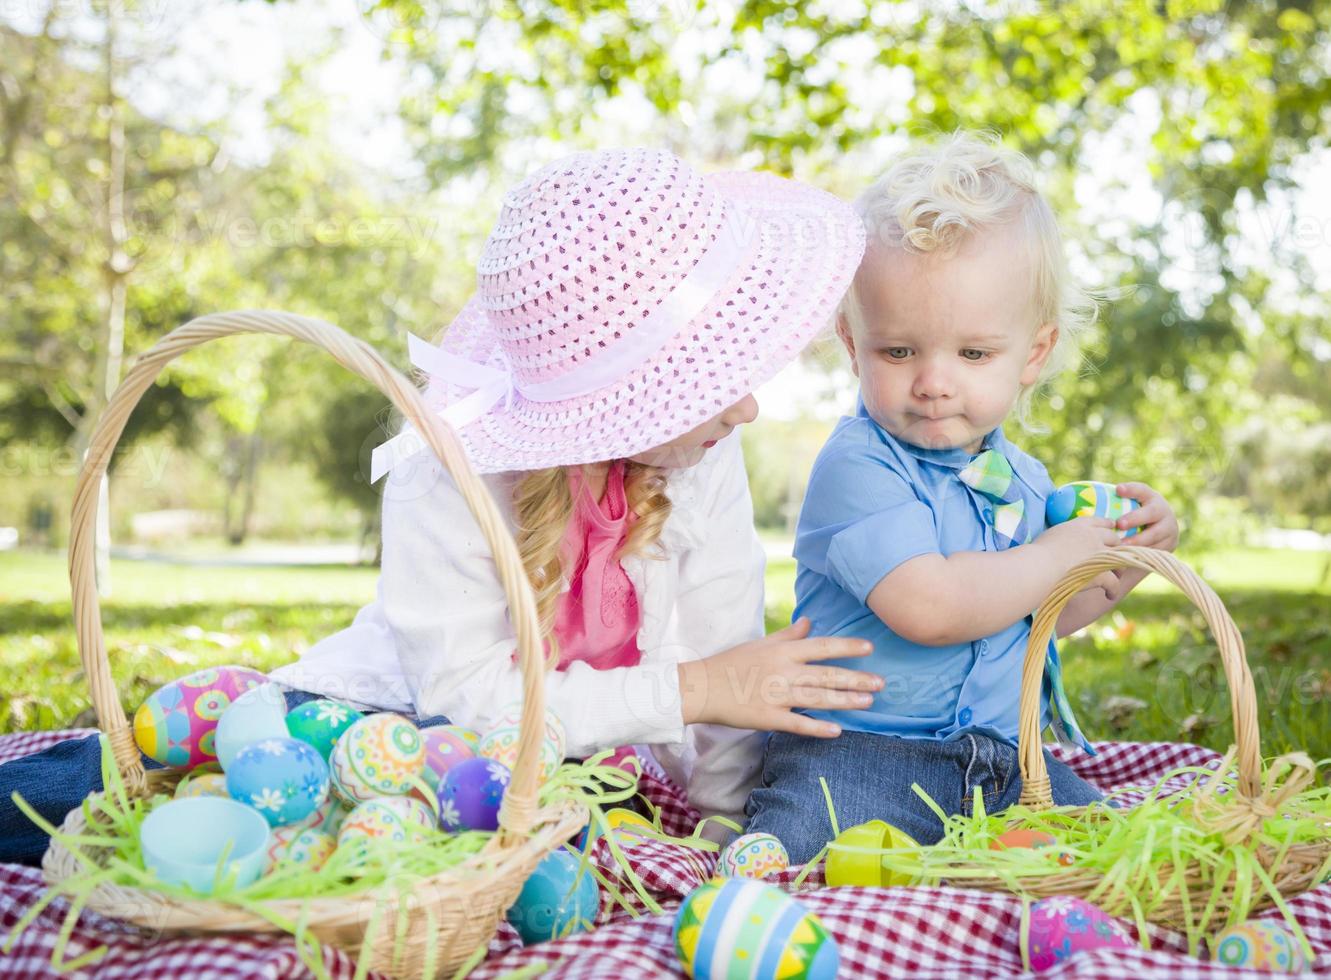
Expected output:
(870, 777)
(57, 780)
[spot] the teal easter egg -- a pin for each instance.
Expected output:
(1088, 498)
(558, 899)
(736, 928)
(177, 723)
(283, 778)
(379, 755)
(321, 723)
(256, 716)
(205, 784)
(1259, 944)
(308, 848)
(753, 856)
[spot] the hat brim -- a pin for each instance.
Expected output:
(809, 244)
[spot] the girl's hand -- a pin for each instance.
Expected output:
(1154, 511)
(757, 684)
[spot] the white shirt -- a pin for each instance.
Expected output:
(437, 639)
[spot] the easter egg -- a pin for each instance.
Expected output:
(257, 715)
(445, 747)
(738, 928)
(395, 818)
(1259, 944)
(321, 723)
(283, 778)
(470, 795)
(1059, 928)
(298, 845)
(1035, 839)
(753, 856)
(501, 744)
(855, 857)
(380, 755)
(327, 818)
(470, 737)
(558, 899)
(206, 784)
(1088, 498)
(177, 723)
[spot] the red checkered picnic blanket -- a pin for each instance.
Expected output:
(898, 932)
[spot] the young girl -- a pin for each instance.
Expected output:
(912, 531)
(627, 307)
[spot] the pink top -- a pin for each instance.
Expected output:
(597, 619)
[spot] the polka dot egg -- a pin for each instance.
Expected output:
(379, 755)
(394, 818)
(1061, 927)
(753, 856)
(283, 778)
(445, 747)
(738, 927)
(1260, 944)
(298, 845)
(321, 723)
(177, 724)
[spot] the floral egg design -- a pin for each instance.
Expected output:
(380, 755)
(283, 778)
(321, 723)
(177, 723)
(1061, 927)
(471, 793)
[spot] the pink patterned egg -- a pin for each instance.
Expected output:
(380, 755)
(177, 724)
(445, 747)
(1061, 927)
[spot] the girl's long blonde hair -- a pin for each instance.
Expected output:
(542, 507)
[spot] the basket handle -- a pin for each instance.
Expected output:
(519, 808)
(1035, 790)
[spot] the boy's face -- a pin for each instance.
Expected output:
(948, 340)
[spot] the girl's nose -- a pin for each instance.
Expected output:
(742, 412)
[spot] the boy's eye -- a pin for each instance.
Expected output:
(897, 353)
(971, 354)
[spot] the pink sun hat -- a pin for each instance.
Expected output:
(623, 299)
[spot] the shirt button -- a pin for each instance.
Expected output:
(984, 645)
(964, 716)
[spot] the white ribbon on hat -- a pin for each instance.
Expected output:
(492, 384)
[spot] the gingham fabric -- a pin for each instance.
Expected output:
(925, 933)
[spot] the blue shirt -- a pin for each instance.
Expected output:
(874, 502)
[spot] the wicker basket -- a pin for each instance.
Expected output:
(1295, 873)
(466, 902)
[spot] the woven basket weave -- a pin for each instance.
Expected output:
(1258, 799)
(449, 916)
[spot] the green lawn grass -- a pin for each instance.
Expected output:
(1148, 672)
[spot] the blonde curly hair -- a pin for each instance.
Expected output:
(933, 196)
(542, 507)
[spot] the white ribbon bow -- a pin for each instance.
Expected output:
(492, 384)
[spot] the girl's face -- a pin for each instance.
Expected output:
(948, 341)
(689, 449)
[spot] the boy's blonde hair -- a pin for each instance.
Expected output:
(934, 196)
(542, 508)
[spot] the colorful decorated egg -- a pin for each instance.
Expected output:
(256, 716)
(285, 779)
(558, 899)
(501, 741)
(753, 856)
(204, 784)
(298, 845)
(470, 795)
(1034, 839)
(1061, 927)
(469, 736)
(177, 723)
(1088, 498)
(396, 818)
(445, 747)
(380, 755)
(321, 723)
(738, 928)
(1260, 944)
(328, 817)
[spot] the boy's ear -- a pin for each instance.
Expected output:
(843, 331)
(1041, 347)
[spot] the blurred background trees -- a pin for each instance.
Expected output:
(1183, 142)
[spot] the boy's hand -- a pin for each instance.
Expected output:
(1072, 542)
(1154, 511)
(758, 684)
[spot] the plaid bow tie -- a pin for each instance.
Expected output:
(990, 474)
